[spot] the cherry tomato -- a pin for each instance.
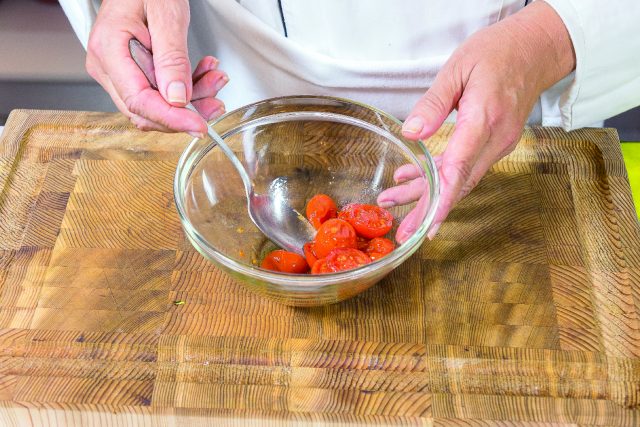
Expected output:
(347, 211)
(334, 233)
(309, 253)
(341, 259)
(321, 208)
(285, 262)
(321, 267)
(368, 220)
(362, 243)
(379, 247)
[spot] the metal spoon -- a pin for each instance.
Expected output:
(282, 224)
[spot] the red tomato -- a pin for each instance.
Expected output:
(362, 243)
(379, 247)
(341, 259)
(321, 267)
(334, 233)
(285, 262)
(321, 208)
(368, 220)
(309, 253)
(347, 211)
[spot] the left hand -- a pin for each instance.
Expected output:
(494, 80)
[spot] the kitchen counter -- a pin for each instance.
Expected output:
(40, 42)
(42, 61)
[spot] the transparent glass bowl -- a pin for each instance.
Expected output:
(297, 146)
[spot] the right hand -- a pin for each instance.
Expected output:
(162, 27)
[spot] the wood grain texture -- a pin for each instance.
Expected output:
(525, 310)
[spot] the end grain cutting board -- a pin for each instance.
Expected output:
(525, 308)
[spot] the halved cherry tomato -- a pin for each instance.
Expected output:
(368, 220)
(347, 211)
(349, 241)
(379, 247)
(341, 259)
(321, 267)
(309, 253)
(334, 233)
(285, 262)
(362, 243)
(321, 208)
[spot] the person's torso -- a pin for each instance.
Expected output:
(381, 30)
(381, 52)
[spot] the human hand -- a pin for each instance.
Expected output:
(161, 26)
(493, 80)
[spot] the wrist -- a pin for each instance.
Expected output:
(547, 39)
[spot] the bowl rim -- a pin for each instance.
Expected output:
(398, 255)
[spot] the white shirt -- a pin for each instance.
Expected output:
(386, 53)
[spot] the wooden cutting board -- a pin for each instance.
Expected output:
(526, 307)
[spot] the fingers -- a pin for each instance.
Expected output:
(437, 159)
(208, 63)
(412, 221)
(209, 84)
(458, 160)
(405, 173)
(402, 194)
(471, 153)
(434, 107)
(407, 227)
(493, 151)
(170, 54)
(210, 108)
(424, 120)
(146, 125)
(139, 121)
(142, 100)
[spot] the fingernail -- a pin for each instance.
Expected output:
(177, 92)
(220, 111)
(413, 125)
(434, 230)
(196, 134)
(220, 83)
(386, 204)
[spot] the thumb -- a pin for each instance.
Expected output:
(433, 108)
(168, 25)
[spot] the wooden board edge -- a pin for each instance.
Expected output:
(539, 132)
(80, 414)
(467, 409)
(16, 126)
(20, 121)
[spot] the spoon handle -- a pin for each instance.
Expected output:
(144, 59)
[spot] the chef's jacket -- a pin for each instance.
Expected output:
(387, 53)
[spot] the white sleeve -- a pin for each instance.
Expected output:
(606, 40)
(81, 14)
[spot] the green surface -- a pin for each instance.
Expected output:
(631, 153)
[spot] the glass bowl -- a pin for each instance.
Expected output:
(298, 146)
